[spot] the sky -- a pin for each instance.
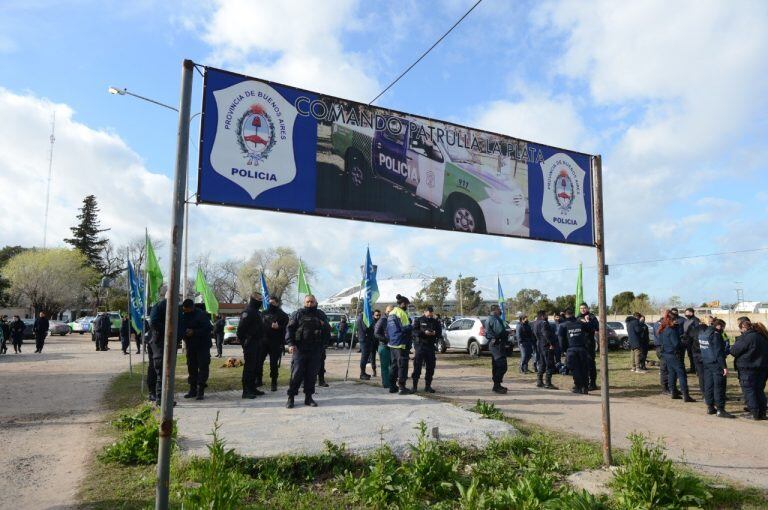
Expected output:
(671, 94)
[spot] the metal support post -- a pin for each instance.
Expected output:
(172, 306)
(597, 175)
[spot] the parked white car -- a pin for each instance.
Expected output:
(230, 330)
(621, 332)
(466, 334)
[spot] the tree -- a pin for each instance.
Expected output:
(85, 236)
(674, 302)
(563, 303)
(222, 277)
(6, 254)
(280, 267)
(621, 304)
(50, 280)
(468, 298)
(529, 301)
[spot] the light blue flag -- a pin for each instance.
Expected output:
(502, 304)
(136, 306)
(371, 290)
(264, 293)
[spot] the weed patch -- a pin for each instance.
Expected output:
(139, 439)
(488, 409)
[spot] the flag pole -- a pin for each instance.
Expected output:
(354, 328)
(130, 359)
(144, 310)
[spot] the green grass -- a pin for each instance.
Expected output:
(512, 472)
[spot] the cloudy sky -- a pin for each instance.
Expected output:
(672, 94)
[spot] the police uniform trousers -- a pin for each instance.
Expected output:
(125, 342)
(663, 372)
(398, 367)
(698, 363)
(548, 363)
(156, 348)
(424, 354)
(498, 362)
(591, 366)
(138, 343)
(526, 352)
(219, 343)
(39, 341)
(578, 363)
(198, 364)
(366, 350)
(274, 349)
(305, 367)
(384, 361)
(250, 361)
(676, 370)
(752, 381)
(151, 372)
(17, 341)
(711, 375)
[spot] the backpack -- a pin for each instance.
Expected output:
(310, 329)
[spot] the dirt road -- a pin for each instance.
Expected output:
(735, 449)
(49, 408)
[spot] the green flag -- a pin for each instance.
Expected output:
(579, 293)
(209, 298)
(154, 275)
(303, 284)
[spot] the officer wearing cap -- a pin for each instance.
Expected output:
(574, 339)
(427, 331)
(273, 341)
(546, 340)
(399, 330)
(249, 332)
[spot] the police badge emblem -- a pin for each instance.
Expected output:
(564, 203)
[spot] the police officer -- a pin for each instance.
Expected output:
(250, 331)
(17, 333)
(5, 333)
(574, 338)
(273, 341)
(713, 369)
(380, 334)
(40, 329)
(156, 345)
(427, 331)
(546, 341)
(690, 324)
(195, 329)
(367, 343)
(125, 333)
(751, 353)
(399, 330)
(218, 334)
(525, 340)
(497, 335)
(591, 345)
(645, 342)
(635, 338)
(672, 349)
(308, 333)
(663, 371)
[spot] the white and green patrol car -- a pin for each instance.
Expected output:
(470, 199)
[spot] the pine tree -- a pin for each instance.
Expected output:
(85, 236)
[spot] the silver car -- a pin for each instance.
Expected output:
(466, 334)
(58, 328)
(621, 331)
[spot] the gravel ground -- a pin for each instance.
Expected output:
(49, 410)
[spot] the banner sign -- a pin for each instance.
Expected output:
(269, 146)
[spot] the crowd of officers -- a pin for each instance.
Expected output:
(13, 330)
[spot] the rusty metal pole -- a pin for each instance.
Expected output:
(597, 176)
(172, 307)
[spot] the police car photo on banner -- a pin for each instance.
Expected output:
(269, 146)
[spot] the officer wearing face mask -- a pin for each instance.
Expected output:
(307, 335)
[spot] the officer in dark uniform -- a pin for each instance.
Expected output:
(497, 336)
(574, 337)
(195, 330)
(307, 335)
(17, 333)
(546, 341)
(125, 334)
(427, 331)
(155, 347)
(103, 326)
(526, 341)
(151, 372)
(751, 353)
(713, 370)
(690, 324)
(250, 331)
(5, 329)
(218, 334)
(591, 346)
(663, 372)
(40, 328)
(367, 344)
(672, 349)
(273, 341)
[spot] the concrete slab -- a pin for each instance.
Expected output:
(359, 415)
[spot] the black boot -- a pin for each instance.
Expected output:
(364, 376)
(539, 380)
(549, 384)
(248, 394)
(592, 387)
(200, 393)
(404, 390)
(393, 389)
(415, 385)
(257, 392)
(497, 388)
(274, 385)
(289, 404)
(192, 393)
(321, 382)
(428, 387)
(711, 410)
(309, 401)
(676, 395)
(687, 398)
(722, 413)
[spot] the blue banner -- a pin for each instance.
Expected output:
(371, 290)
(270, 146)
(264, 293)
(137, 300)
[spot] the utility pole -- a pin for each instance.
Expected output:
(461, 298)
(50, 170)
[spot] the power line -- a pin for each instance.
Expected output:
(426, 52)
